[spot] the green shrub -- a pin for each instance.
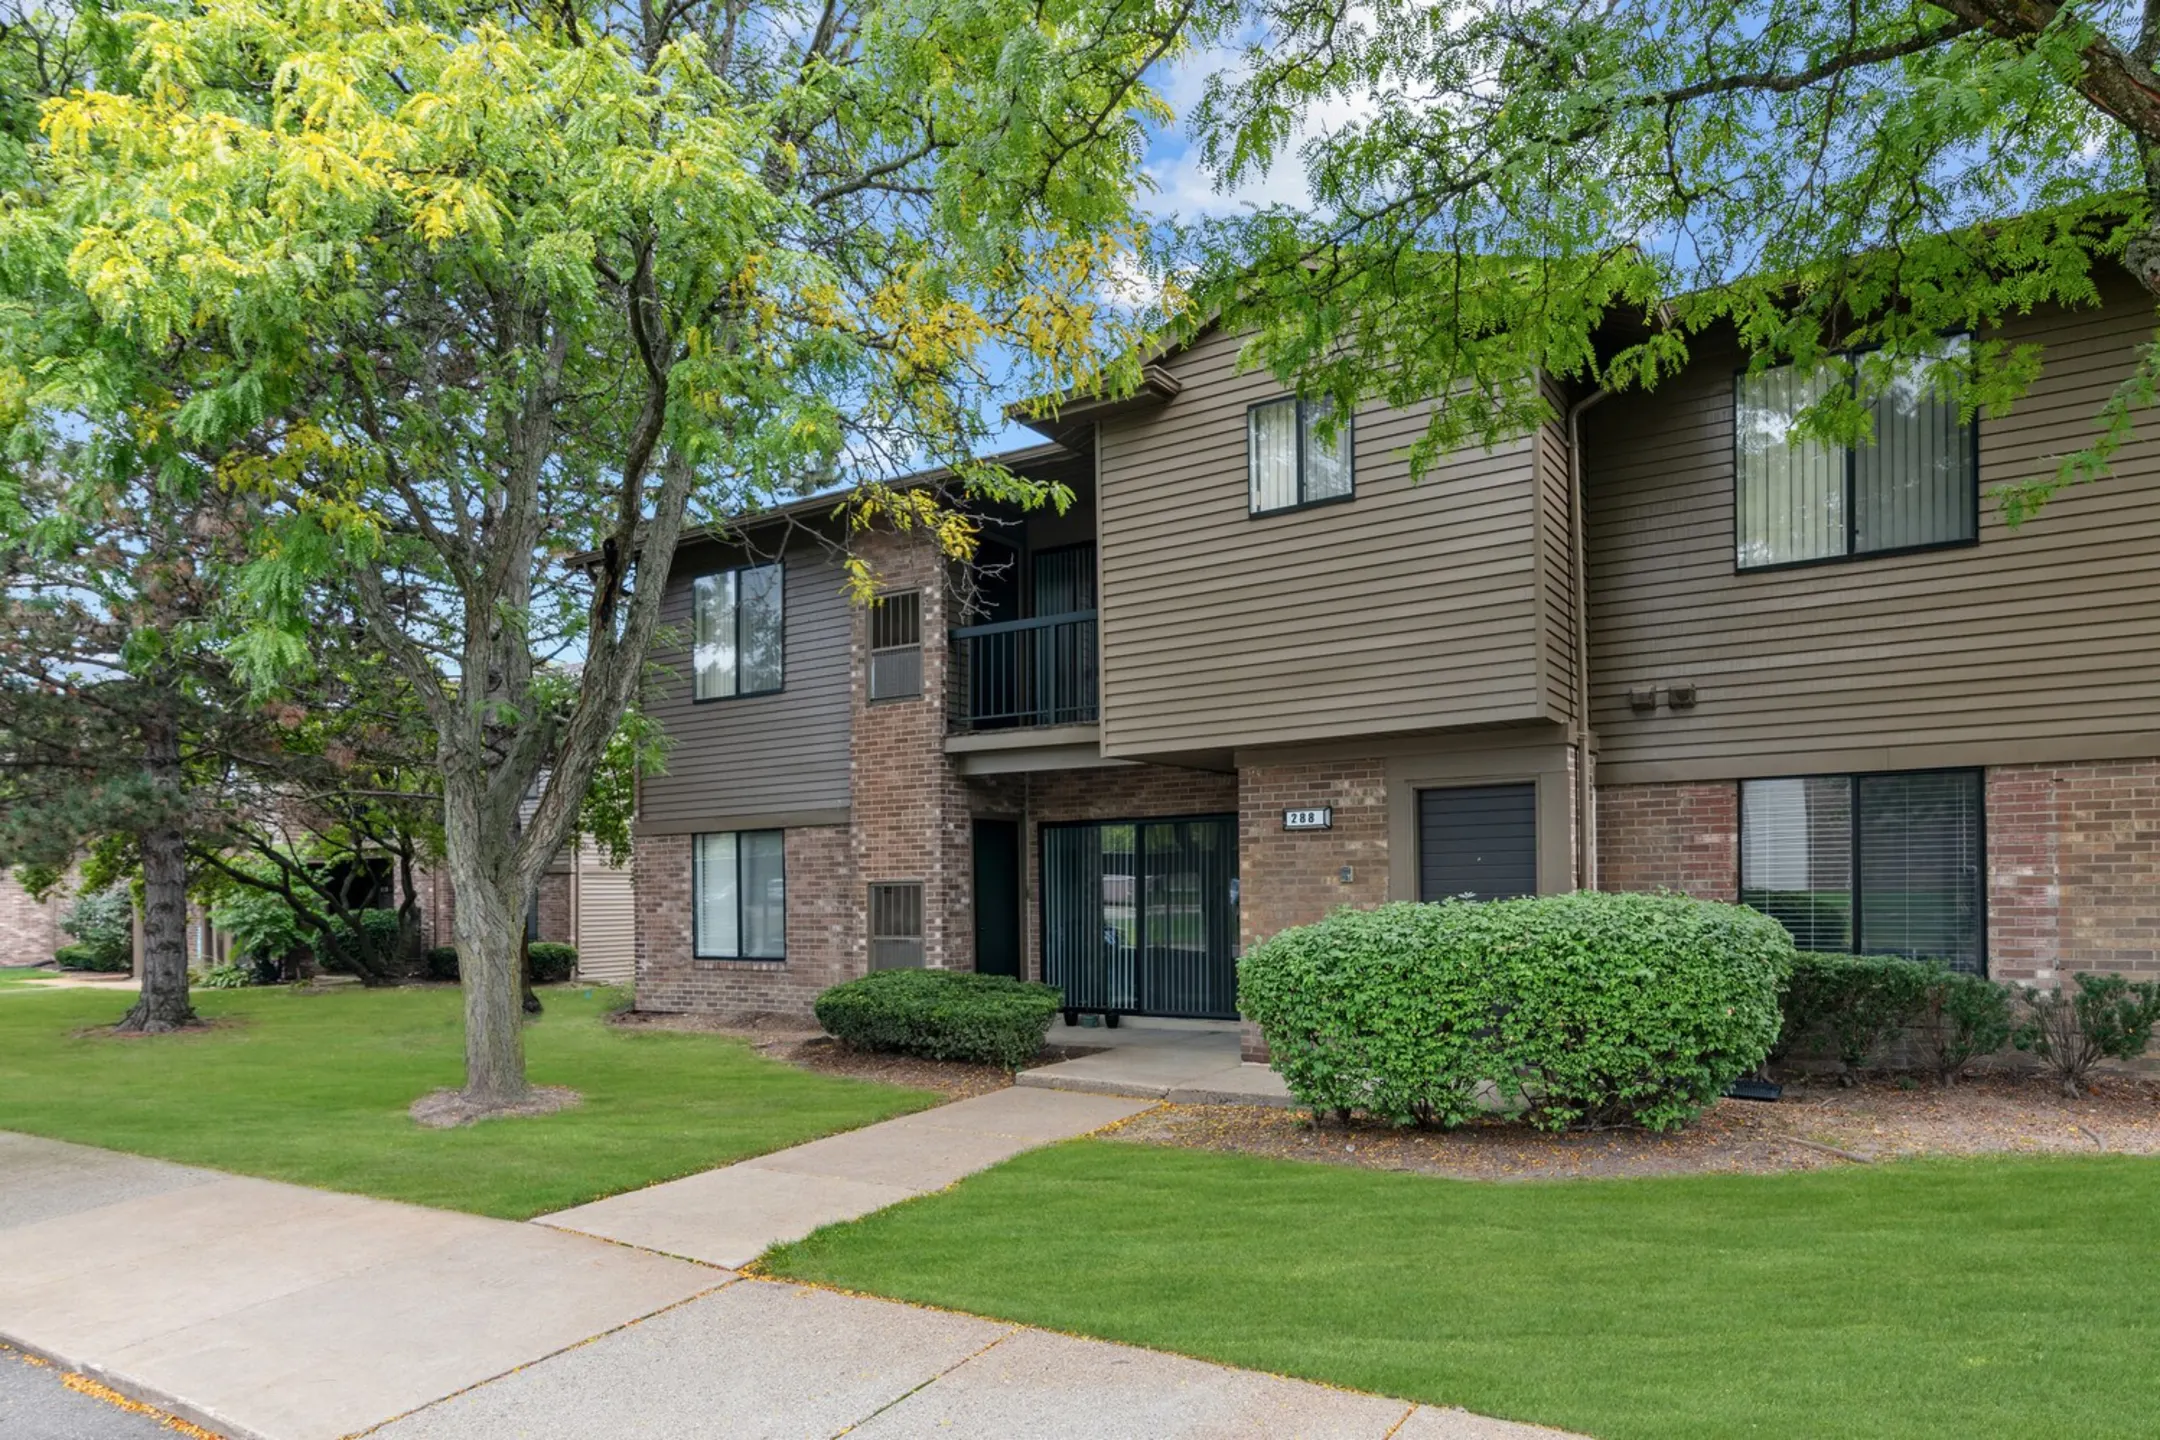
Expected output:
(1961, 1018)
(1588, 1009)
(442, 962)
(82, 957)
(103, 924)
(1850, 1005)
(552, 962)
(2104, 1018)
(942, 1015)
(237, 975)
(376, 934)
(260, 923)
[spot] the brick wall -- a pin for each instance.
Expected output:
(2071, 853)
(1683, 837)
(1293, 877)
(29, 931)
(553, 903)
(824, 944)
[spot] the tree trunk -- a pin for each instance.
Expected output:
(163, 1004)
(490, 928)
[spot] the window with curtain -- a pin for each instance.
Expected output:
(1913, 484)
(736, 632)
(1870, 864)
(1290, 464)
(738, 895)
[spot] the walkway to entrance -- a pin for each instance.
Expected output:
(1184, 1062)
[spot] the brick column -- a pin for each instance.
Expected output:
(910, 805)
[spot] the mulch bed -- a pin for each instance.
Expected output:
(814, 1050)
(1813, 1127)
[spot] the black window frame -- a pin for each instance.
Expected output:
(872, 650)
(1851, 478)
(740, 693)
(697, 908)
(1349, 435)
(1854, 821)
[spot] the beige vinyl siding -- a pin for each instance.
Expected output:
(1556, 583)
(2043, 644)
(755, 755)
(606, 916)
(1407, 607)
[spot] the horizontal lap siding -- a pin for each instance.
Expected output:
(2046, 636)
(760, 754)
(1408, 607)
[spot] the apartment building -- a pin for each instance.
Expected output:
(1256, 672)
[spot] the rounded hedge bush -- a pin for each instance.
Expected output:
(942, 1015)
(1587, 1009)
(552, 961)
(442, 962)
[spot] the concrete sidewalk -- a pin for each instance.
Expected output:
(732, 1215)
(265, 1311)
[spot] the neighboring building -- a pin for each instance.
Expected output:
(1252, 675)
(29, 928)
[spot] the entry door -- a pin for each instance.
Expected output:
(1140, 916)
(1477, 842)
(997, 897)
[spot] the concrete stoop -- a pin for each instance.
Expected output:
(1182, 1064)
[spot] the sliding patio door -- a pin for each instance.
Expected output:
(1140, 916)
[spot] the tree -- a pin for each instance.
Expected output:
(461, 292)
(1825, 179)
(106, 621)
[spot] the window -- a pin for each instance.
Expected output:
(738, 895)
(896, 646)
(896, 926)
(1290, 464)
(736, 640)
(1872, 864)
(1797, 500)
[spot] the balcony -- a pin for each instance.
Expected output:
(1025, 674)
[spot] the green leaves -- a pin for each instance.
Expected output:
(1583, 1009)
(1531, 188)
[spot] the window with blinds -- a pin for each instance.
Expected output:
(896, 646)
(896, 925)
(738, 895)
(1871, 864)
(736, 639)
(1914, 484)
(1290, 462)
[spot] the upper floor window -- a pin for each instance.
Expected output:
(896, 646)
(738, 891)
(1869, 864)
(1798, 500)
(1290, 464)
(736, 632)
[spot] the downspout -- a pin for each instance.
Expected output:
(1579, 584)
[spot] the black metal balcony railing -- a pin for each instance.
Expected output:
(1023, 673)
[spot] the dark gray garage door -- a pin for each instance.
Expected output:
(1478, 841)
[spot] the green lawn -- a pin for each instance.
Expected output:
(2004, 1297)
(313, 1087)
(23, 978)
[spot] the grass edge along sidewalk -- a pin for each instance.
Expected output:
(313, 1088)
(1916, 1299)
